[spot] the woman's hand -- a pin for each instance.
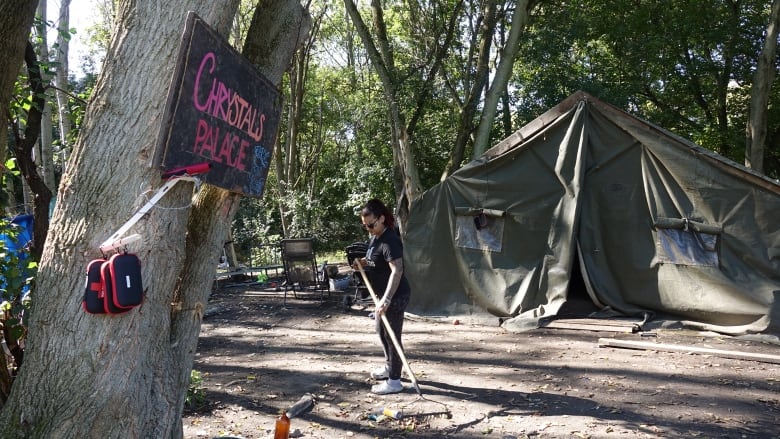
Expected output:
(362, 261)
(381, 306)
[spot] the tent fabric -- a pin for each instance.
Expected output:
(654, 223)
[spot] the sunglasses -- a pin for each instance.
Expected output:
(370, 226)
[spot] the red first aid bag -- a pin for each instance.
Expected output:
(121, 276)
(94, 292)
(113, 286)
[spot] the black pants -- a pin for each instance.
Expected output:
(395, 316)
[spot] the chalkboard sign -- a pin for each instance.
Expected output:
(221, 114)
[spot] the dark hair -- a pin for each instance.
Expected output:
(378, 208)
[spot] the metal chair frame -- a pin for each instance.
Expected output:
(300, 268)
(354, 251)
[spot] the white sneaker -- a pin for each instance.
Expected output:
(381, 373)
(389, 386)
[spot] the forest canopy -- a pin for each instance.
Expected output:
(687, 66)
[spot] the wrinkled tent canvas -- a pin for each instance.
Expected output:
(654, 224)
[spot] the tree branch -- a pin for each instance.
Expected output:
(23, 148)
(438, 59)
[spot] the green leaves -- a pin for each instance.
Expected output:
(683, 65)
(196, 394)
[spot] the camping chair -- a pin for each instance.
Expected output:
(300, 268)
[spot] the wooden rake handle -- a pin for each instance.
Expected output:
(389, 329)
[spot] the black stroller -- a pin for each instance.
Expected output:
(361, 296)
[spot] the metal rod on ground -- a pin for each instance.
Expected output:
(389, 329)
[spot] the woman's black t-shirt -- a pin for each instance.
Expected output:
(381, 250)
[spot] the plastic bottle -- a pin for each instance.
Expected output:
(390, 413)
(282, 428)
(301, 406)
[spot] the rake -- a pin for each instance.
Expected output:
(393, 338)
(397, 345)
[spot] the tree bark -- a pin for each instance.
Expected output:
(23, 149)
(16, 19)
(114, 376)
(501, 78)
(45, 158)
(61, 80)
(5, 377)
(278, 26)
(759, 94)
(484, 40)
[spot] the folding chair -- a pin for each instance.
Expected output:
(300, 268)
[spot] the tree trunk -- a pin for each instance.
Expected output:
(277, 28)
(281, 182)
(28, 199)
(506, 114)
(114, 376)
(16, 19)
(230, 250)
(408, 185)
(61, 80)
(287, 156)
(292, 174)
(45, 159)
(23, 149)
(474, 93)
(501, 78)
(759, 94)
(290, 27)
(295, 114)
(5, 377)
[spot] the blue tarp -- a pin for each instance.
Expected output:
(25, 223)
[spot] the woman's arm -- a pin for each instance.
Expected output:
(396, 271)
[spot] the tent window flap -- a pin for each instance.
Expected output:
(479, 229)
(685, 242)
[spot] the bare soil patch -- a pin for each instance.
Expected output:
(258, 357)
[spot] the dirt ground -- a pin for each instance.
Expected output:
(258, 357)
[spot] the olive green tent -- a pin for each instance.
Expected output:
(649, 222)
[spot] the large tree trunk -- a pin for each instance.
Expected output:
(759, 94)
(16, 19)
(114, 376)
(277, 28)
